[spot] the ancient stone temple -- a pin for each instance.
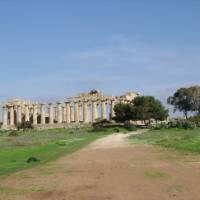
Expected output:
(82, 109)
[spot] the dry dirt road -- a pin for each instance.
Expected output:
(110, 169)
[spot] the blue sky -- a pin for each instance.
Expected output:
(54, 49)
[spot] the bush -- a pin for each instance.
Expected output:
(195, 119)
(101, 122)
(116, 130)
(98, 129)
(61, 143)
(176, 124)
(71, 132)
(25, 125)
(32, 159)
(100, 125)
(13, 134)
(129, 126)
(186, 124)
(158, 126)
(189, 125)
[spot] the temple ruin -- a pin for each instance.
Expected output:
(84, 108)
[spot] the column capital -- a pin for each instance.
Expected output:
(58, 102)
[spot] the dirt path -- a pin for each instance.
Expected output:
(116, 140)
(109, 169)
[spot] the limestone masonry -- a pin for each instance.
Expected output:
(82, 109)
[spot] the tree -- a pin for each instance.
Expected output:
(195, 98)
(142, 108)
(182, 101)
(147, 107)
(159, 112)
(123, 112)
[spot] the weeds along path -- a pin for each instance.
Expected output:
(109, 169)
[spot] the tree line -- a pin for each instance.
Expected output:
(142, 108)
(145, 108)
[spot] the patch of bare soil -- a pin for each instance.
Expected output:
(109, 169)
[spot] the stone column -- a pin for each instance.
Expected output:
(35, 114)
(64, 114)
(19, 114)
(67, 104)
(85, 112)
(94, 111)
(4, 117)
(27, 115)
(103, 109)
(59, 107)
(80, 111)
(43, 114)
(56, 113)
(51, 119)
(76, 112)
(112, 105)
(12, 116)
(71, 113)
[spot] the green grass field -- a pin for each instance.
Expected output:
(180, 139)
(17, 147)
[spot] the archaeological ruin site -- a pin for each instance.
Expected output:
(81, 109)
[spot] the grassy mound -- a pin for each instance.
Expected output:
(175, 138)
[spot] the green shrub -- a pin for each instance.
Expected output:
(32, 159)
(129, 126)
(186, 124)
(71, 132)
(98, 129)
(24, 125)
(158, 126)
(101, 122)
(153, 127)
(176, 124)
(195, 119)
(61, 143)
(13, 133)
(116, 130)
(100, 125)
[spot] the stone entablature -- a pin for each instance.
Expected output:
(83, 108)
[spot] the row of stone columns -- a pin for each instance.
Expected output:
(70, 112)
